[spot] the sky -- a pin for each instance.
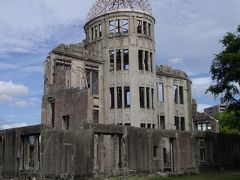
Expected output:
(187, 37)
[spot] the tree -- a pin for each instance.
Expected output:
(229, 122)
(225, 70)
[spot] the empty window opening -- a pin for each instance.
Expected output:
(53, 113)
(160, 93)
(95, 89)
(100, 30)
(143, 125)
(95, 31)
(127, 97)
(153, 126)
(155, 151)
(112, 98)
(92, 80)
(126, 59)
(111, 27)
(149, 29)
(176, 123)
(127, 124)
(149, 126)
(164, 155)
(148, 97)
(151, 62)
(141, 97)
(181, 94)
(111, 57)
(146, 61)
(139, 26)
(144, 28)
(175, 92)
(31, 148)
(96, 116)
(202, 154)
(140, 59)
(119, 60)
(182, 123)
(152, 90)
(118, 25)
(162, 122)
(66, 122)
(119, 97)
(125, 25)
(92, 33)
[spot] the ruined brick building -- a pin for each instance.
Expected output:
(107, 109)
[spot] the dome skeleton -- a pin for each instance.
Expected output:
(105, 6)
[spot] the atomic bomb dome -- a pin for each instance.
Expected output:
(106, 6)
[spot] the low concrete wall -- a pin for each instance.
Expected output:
(104, 150)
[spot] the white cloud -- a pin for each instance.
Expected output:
(201, 107)
(26, 26)
(175, 60)
(11, 89)
(27, 103)
(200, 85)
(15, 125)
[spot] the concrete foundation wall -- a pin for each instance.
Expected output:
(104, 150)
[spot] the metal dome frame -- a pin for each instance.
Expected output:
(106, 6)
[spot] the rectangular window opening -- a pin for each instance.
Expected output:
(151, 62)
(125, 26)
(181, 94)
(160, 92)
(95, 32)
(149, 29)
(126, 59)
(111, 27)
(175, 92)
(119, 60)
(162, 122)
(143, 125)
(53, 113)
(182, 123)
(148, 97)
(140, 59)
(95, 88)
(119, 97)
(127, 97)
(66, 122)
(118, 25)
(141, 97)
(146, 60)
(155, 151)
(100, 30)
(144, 28)
(95, 116)
(152, 90)
(139, 26)
(111, 57)
(149, 126)
(164, 155)
(112, 98)
(176, 123)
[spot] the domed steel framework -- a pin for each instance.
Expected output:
(105, 6)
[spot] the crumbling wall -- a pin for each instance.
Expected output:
(75, 104)
(67, 154)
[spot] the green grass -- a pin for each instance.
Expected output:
(204, 176)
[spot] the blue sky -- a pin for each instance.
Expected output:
(187, 35)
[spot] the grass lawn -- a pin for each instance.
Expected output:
(204, 176)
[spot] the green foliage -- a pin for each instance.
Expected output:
(229, 122)
(225, 69)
